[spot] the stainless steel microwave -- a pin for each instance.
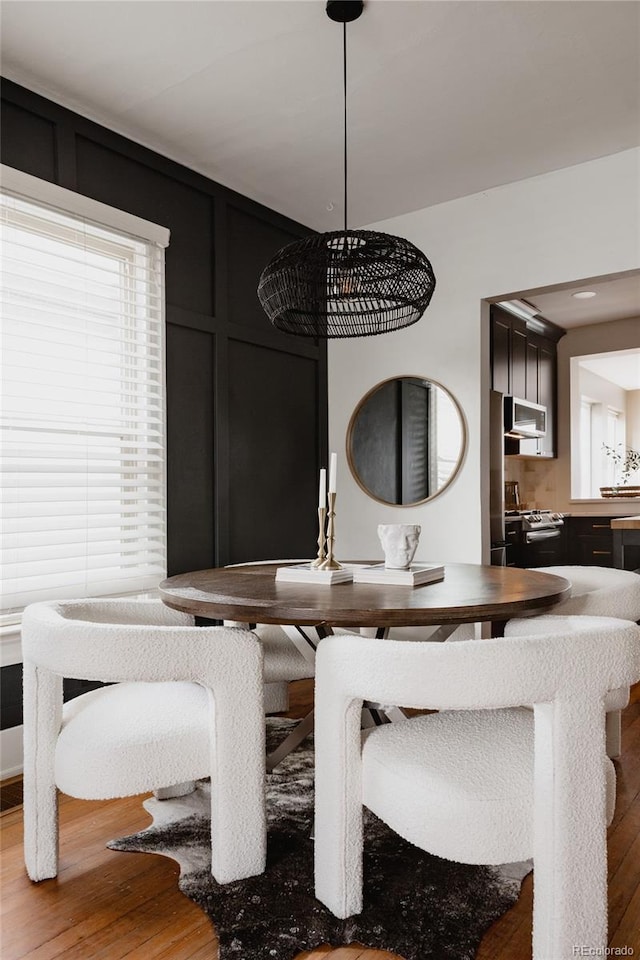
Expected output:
(523, 419)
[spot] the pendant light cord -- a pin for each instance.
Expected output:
(362, 283)
(344, 57)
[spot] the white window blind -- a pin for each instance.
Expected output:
(586, 449)
(614, 439)
(82, 418)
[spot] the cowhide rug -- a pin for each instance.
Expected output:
(416, 905)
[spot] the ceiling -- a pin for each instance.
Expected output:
(615, 298)
(621, 368)
(445, 98)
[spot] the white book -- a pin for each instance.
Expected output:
(305, 573)
(414, 576)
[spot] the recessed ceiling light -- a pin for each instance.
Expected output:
(584, 294)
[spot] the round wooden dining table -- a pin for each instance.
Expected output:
(307, 612)
(468, 593)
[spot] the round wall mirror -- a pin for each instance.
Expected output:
(406, 440)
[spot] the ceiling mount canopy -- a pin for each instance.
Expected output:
(346, 283)
(344, 11)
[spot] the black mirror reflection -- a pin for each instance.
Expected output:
(406, 440)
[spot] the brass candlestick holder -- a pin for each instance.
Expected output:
(322, 515)
(330, 563)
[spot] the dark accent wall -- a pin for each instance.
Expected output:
(246, 405)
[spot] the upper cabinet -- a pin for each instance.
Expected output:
(524, 365)
(501, 356)
(548, 394)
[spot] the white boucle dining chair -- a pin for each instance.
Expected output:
(283, 662)
(598, 592)
(184, 703)
(483, 781)
(289, 652)
(595, 592)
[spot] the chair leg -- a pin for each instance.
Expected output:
(614, 734)
(570, 833)
(338, 831)
(42, 717)
(238, 818)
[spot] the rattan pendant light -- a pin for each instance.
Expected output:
(346, 283)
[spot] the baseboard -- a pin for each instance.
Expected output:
(11, 752)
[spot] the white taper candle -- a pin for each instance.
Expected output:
(333, 469)
(322, 489)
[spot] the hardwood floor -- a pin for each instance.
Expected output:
(111, 906)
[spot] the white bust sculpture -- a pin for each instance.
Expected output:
(399, 542)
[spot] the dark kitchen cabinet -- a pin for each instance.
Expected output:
(513, 540)
(541, 383)
(524, 365)
(508, 353)
(519, 370)
(547, 393)
(500, 352)
(532, 363)
(590, 541)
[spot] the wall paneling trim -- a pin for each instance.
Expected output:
(246, 404)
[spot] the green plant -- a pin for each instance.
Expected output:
(627, 461)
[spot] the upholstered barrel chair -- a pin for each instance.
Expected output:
(288, 654)
(284, 662)
(595, 592)
(185, 703)
(598, 592)
(483, 780)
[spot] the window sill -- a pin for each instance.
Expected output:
(608, 501)
(605, 507)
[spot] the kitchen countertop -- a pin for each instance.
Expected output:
(615, 516)
(609, 507)
(625, 523)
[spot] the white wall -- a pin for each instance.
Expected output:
(581, 342)
(575, 223)
(633, 418)
(606, 396)
(599, 390)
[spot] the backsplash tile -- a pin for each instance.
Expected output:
(537, 480)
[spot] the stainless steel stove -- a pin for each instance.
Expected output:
(534, 520)
(538, 541)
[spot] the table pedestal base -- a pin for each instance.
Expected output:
(290, 742)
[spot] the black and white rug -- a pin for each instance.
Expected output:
(416, 905)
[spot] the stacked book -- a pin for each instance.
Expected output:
(305, 573)
(414, 576)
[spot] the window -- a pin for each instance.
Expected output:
(605, 416)
(586, 448)
(614, 440)
(82, 420)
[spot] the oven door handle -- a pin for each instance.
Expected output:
(534, 536)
